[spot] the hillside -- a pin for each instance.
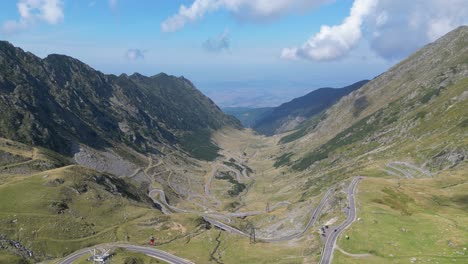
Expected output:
(406, 132)
(59, 102)
(422, 99)
(45, 204)
(289, 115)
(389, 157)
(248, 116)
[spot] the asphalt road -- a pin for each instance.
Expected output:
(313, 218)
(409, 172)
(327, 252)
(159, 254)
(224, 226)
(164, 204)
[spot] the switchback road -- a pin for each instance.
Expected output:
(327, 252)
(313, 218)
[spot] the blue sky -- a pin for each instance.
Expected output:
(214, 42)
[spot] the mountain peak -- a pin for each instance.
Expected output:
(54, 58)
(461, 28)
(7, 47)
(67, 103)
(160, 75)
(4, 43)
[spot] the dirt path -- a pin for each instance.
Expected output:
(353, 255)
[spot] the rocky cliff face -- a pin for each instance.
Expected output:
(58, 102)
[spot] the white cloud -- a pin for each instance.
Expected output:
(135, 54)
(412, 24)
(219, 43)
(34, 11)
(255, 9)
(394, 29)
(382, 18)
(334, 42)
(438, 27)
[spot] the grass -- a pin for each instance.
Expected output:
(421, 115)
(423, 218)
(9, 258)
(303, 129)
(124, 257)
(464, 123)
(47, 214)
(396, 199)
(354, 134)
(361, 137)
(32, 220)
(236, 188)
(283, 160)
(200, 146)
(433, 232)
(234, 249)
(232, 164)
(428, 96)
(294, 136)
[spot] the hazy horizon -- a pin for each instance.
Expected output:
(317, 43)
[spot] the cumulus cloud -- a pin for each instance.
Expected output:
(34, 11)
(255, 9)
(334, 42)
(394, 29)
(219, 43)
(412, 24)
(135, 54)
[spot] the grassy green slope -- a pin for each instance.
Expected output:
(421, 220)
(55, 210)
(247, 116)
(51, 215)
(421, 76)
(406, 128)
(423, 98)
(415, 113)
(305, 106)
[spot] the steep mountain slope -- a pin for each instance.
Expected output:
(49, 206)
(289, 115)
(405, 132)
(416, 110)
(248, 116)
(59, 102)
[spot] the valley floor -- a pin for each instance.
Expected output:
(267, 213)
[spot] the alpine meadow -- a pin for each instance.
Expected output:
(233, 153)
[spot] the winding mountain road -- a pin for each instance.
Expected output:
(163, 202)
(159, 254)
(166, 207)
(328, 248)
(208, 186)
(313, 218)
(330, 243)
(410, 171)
